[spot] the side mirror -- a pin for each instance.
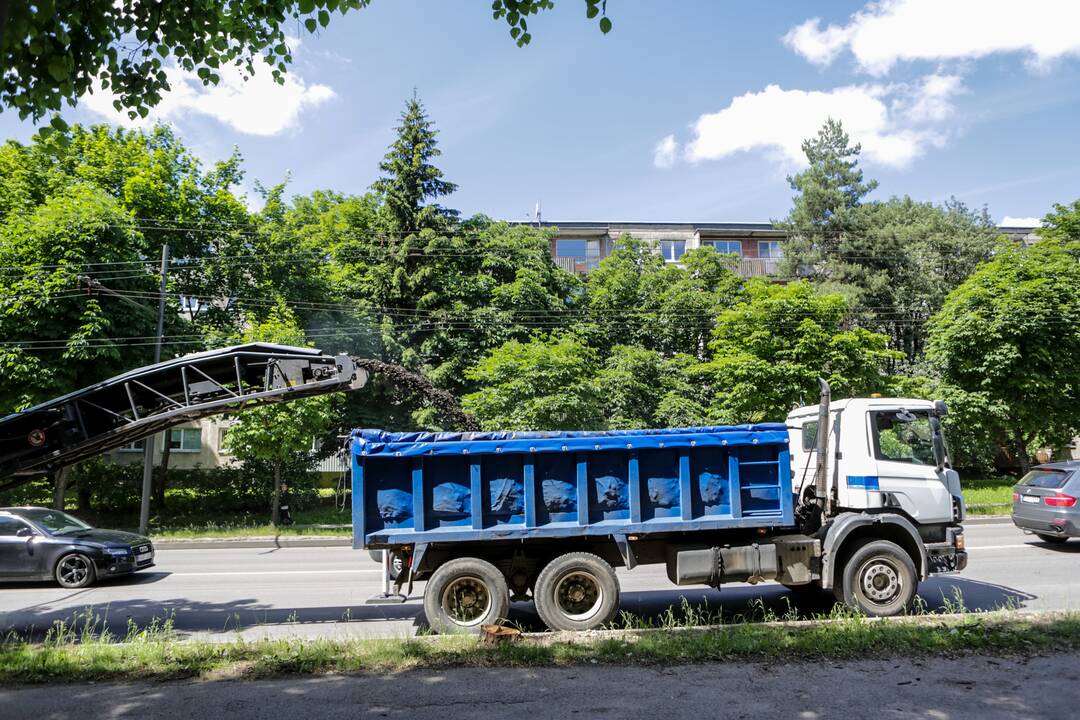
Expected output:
(938, 441)
(24, 532)
(940, 408)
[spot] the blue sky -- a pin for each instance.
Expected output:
(692, 115)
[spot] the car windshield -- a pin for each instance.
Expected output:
(54, 521)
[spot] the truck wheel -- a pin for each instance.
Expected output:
(577, 591)
(464, 594)
(879, 579)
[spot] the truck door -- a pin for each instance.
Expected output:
(907, 474)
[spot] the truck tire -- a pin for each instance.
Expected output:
(577, 591)
(879, 579)
(464, 594)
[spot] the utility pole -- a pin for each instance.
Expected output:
(148, 445)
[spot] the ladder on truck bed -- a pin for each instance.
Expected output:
(141, 402)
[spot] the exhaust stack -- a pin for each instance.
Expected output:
(821, 476)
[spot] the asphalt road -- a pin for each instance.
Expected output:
(943, 689)
(312, 592)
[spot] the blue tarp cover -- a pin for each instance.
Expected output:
(409, 444)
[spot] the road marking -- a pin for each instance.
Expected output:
(275, 572)
(1000, 547)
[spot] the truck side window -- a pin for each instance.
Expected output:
(904, 436)
(809, 436)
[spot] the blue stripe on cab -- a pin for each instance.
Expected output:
(866, 482)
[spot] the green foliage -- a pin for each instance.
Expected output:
(1007, 348)
(1063, 223)
(635, 298)
(410, 180)
(278, 432)
(55, 51)
(896, 260)
(769, 351)
(830, 192)
(642, 388)
(538, 385)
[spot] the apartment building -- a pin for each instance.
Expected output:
(580, 246)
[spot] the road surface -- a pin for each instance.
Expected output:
(943, 689)
(322, 592)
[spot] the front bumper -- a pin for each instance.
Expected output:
(110, 565)
(949, 556)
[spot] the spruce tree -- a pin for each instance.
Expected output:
(830, 191)
(410, 180)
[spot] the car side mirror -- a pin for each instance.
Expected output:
(24, 532)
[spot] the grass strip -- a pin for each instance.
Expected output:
(163, 658)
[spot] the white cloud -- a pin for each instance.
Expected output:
(257, 106)
(891, 31)
(1010, 221)
(665, 151)
(894, 123)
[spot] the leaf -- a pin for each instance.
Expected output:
(311, 25)
(306, 6)
(592, 11)
(605, 25)
(58, 124)
(324, 18)
(58, 68)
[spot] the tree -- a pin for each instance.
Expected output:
(1063, 223)
(58, 50)
(643, 388)
(537, 385)
(635, 298)
(1006, 346)
(769, 351)
(410, 179)
(824, 211)
(281, 432)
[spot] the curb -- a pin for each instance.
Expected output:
(253, 542)
(989, 520)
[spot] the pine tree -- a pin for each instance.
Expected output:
(830, 191)
(410, 180)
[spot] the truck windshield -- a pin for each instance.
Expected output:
(904, 436)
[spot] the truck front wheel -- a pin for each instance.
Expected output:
(879, 579)
(464, 594)
(577, 591)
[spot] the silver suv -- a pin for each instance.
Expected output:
(1045, 501)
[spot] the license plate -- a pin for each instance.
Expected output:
(141, 557)
(1033, 499)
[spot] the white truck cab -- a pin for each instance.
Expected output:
(882, 457)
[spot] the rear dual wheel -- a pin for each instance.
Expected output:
(464, 594)
(577, 591)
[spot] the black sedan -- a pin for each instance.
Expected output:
(41, 544)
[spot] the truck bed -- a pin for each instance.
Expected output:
(463, 487)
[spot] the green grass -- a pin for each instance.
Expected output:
(988, 495)
(154, 654)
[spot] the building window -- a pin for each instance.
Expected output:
(770, 249)
(672, 250)
(570, 248)
(726, 246)
(186, 439)
(223, 447)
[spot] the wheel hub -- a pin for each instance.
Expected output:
(880, 582)
(466, 600)
(579, 595)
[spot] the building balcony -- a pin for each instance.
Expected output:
(743, 267)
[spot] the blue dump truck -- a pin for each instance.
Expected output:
(490, 518)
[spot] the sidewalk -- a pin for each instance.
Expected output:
(982, 686)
